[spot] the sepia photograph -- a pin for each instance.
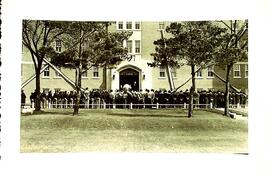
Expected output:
(134, 86)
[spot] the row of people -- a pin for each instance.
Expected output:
(147, 97)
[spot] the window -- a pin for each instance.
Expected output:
(46, 72)
(199, 73)
(129, 25)
(58, 45)
(129, 46)
(84, 74)
(137, 25)
(95, 72)
(210, 73)
(120, 25)
(56, 73)
(246, 70)
(162, 72)
(173, 72)
(137, 46)
(161, 26)
(236, 71)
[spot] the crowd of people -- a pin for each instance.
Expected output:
(139, 99)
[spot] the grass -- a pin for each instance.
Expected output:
(123, 130)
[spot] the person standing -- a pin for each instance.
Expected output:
(23, 98)
(86, 97)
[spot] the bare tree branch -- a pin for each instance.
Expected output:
(226, 24)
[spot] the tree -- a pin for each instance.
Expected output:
(165, 56)
(89, 44)
(196, 43)
(37, 37)
(232, 50)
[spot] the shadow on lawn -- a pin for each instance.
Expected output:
(148, 115)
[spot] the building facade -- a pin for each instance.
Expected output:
(134, 71)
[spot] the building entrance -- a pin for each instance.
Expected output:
(130, 77)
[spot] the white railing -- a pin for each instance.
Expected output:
(101, 104)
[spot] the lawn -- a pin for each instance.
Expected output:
(137, 130)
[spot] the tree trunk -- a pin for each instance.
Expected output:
(105, 77)
(170, 79)
(192, 89)
(37, 91)
(78, 82)
(227, 90)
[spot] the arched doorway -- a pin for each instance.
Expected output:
(129, 76)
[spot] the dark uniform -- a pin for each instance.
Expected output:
(186, 94)
(23, 98)
(181, 97)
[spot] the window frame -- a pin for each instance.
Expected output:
(130, 49)
(47, 70)
(236, 70)
(85, 74)
(162, 70)
(197, 73)
(210, 69)
(137, 23)
(161, 24)
(136, 42)
(120, 23)
(129, 23)
(95, 72)
(58, 45)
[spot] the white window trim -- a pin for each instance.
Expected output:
(196, 74)
(58, 46)
(57, 77)
(46, 77)
(210, 77)
(237, 70)
(159, 71)
(132, 25)
(198, 77)
(132, 51)
(85, 77)
(117, 25)
(140, 47)
(139, 24)
(159, 26)
(162, 77)
(93, 71)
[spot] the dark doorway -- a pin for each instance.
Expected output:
(130, 77)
